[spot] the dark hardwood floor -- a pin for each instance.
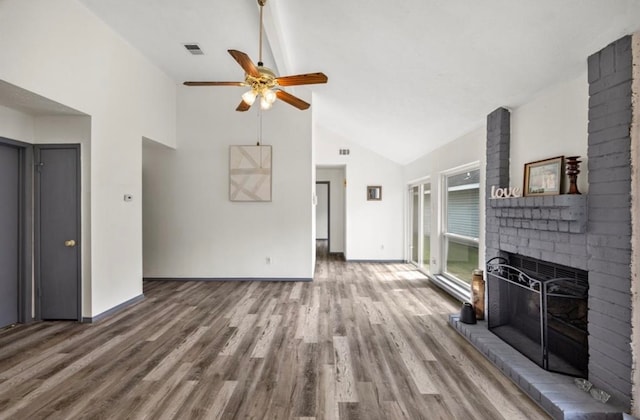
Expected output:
(362, 341)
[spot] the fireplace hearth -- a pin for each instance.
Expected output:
(540, 309)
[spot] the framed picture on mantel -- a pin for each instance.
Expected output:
(543, 177)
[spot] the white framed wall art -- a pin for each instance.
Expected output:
(250, 173)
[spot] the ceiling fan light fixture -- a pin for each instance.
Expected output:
(249, 97)
(264, 104)
(269, 96)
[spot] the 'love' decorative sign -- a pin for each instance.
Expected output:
(509, 192)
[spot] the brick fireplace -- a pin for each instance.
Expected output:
(591, 232)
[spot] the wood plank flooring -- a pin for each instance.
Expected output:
(362, 341)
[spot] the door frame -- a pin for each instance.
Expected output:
(411, 227)
(37, 219)
(25, 228)
(328, 184)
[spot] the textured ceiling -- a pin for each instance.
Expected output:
(404, 77)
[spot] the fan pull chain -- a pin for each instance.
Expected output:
(259, 126)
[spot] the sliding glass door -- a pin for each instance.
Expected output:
(420, 225)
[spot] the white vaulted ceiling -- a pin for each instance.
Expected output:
(405, 76)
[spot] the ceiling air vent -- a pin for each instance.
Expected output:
(344, 151)
(193, 49)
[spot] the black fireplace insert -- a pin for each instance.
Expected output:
(540, 309)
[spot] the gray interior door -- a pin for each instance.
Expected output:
(9, 233)
(322, 210)
(58, 227)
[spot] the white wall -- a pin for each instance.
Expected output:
(16, 125)
(374, 229)
(191, 229)
(336, 178)
(61, 51)
(553, 124)
(462, 151)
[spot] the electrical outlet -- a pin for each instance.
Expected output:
(268, 260)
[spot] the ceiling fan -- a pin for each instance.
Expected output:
(263, 81)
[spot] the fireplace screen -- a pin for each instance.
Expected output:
(541, 315)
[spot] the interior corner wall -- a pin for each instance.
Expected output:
(69, 56)
(552, 124)
(192, 229)
(374, 229)
(16, 125)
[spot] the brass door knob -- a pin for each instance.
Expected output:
(70, 243)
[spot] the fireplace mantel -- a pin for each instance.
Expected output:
(554, 213)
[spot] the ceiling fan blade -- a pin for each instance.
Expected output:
(243, 106)
(214, 83)
(292, 100)
(245, 62)
(302, 79)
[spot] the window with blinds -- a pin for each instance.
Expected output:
(462, 210)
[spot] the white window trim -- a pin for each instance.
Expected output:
(465, 239)
(410, 244)
(465, 187)
(462, 168)
(458, 288)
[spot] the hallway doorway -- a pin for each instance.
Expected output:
(331, 212)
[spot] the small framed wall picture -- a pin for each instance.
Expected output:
(374, 193)
(543, 177)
